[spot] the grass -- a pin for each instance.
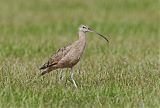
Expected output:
(124, 74)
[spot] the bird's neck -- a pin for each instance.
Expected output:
(82, 36)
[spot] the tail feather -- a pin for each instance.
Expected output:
(42, 73)
(46, 70)
(43, 67)
(46, 65)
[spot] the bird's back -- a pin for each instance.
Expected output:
(65, 57)
(56, 57)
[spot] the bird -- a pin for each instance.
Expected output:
(69, 55)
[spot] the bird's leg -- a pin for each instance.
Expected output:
(71, 76)
(61, 76)
(57, 77)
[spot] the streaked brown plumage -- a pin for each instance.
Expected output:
(68, 56)
(51, 64)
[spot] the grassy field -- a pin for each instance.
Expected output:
(123, 74)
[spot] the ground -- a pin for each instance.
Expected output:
(123, 74)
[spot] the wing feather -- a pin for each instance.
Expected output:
(55, 58)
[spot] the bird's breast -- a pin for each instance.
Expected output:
(73, 55)
(76, 52)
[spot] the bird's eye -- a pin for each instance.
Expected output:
(83, 27)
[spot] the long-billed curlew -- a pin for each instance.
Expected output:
(69, 56)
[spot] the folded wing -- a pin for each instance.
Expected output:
(55, 58)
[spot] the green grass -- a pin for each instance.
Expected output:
(125, 74)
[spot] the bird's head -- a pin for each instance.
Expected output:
(84, 28)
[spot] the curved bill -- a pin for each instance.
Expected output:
(90, 30)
